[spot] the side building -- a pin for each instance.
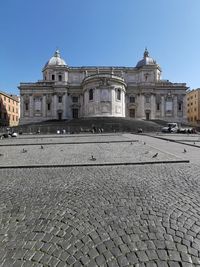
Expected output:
(9, 109)
(70, 92)
(193, 106)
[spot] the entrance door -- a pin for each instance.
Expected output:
(75, 113)
(147, 116)
(59, 116)
(132, 113)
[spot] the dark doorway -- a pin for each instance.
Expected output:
(147, 116)
(59, 116)
(132, 113)
(74, 113)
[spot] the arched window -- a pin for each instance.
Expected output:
(91, 94)
(118, 94)
(59, 77)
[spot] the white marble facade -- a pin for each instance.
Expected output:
(70, 92)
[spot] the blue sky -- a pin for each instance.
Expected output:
(98, 32)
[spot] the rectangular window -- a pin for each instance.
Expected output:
(26, 106)
(75, 99)
(158, 106)
(48, 106)
(118, 94)
(59, 99)
(13, 109)
(13, 117)
(60, 78)
(132, 99)
(179, 106)
(53, 77)
(147, 99)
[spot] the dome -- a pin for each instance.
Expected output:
(56, 60)
(147, 60)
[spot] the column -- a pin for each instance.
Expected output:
(65, 106)
(153, 107)
(55, 106)
(140, 110)
(31, 107)
(44, 106)
(162, 106)
(175, 107)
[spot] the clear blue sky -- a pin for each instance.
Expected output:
(98, 32)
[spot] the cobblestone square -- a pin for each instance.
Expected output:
(85, 214)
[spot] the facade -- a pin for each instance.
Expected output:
(70, 92)
(193, 106)
(9, 109)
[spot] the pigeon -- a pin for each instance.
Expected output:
(154, 156)
(194, 143)
(1, 154)
(144, 143)
(146, 152)
(42, 147)
(92, 158)
(184, 151)
(24, 150)
(131, 143)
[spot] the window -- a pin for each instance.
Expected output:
(16, 118)
(53, 77)
(75, 99)
(91, 94)
(132, 99)
(118, 94)
(147, 99)
(9, 108)
(59, 99)
(158, 106)
(60, 78)
(13, 117)
(13, 109)
(179, 106)
(48, 106)
(26, 106)
(9, 100)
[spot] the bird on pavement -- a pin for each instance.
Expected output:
(42, 147)
(144, 143)
(24, 150)
(184, 151)
(92, 158)
(154, 156)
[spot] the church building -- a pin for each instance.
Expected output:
(67, 92)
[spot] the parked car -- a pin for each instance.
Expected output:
(171, 127)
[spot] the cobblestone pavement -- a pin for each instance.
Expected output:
(142, 216)
(67, 154)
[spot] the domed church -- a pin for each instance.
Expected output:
(67, 92)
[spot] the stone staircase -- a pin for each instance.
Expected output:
(108, 124)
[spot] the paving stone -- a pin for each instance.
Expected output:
(100, 216)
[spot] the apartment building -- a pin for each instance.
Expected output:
(9, 109)
(193, 106)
